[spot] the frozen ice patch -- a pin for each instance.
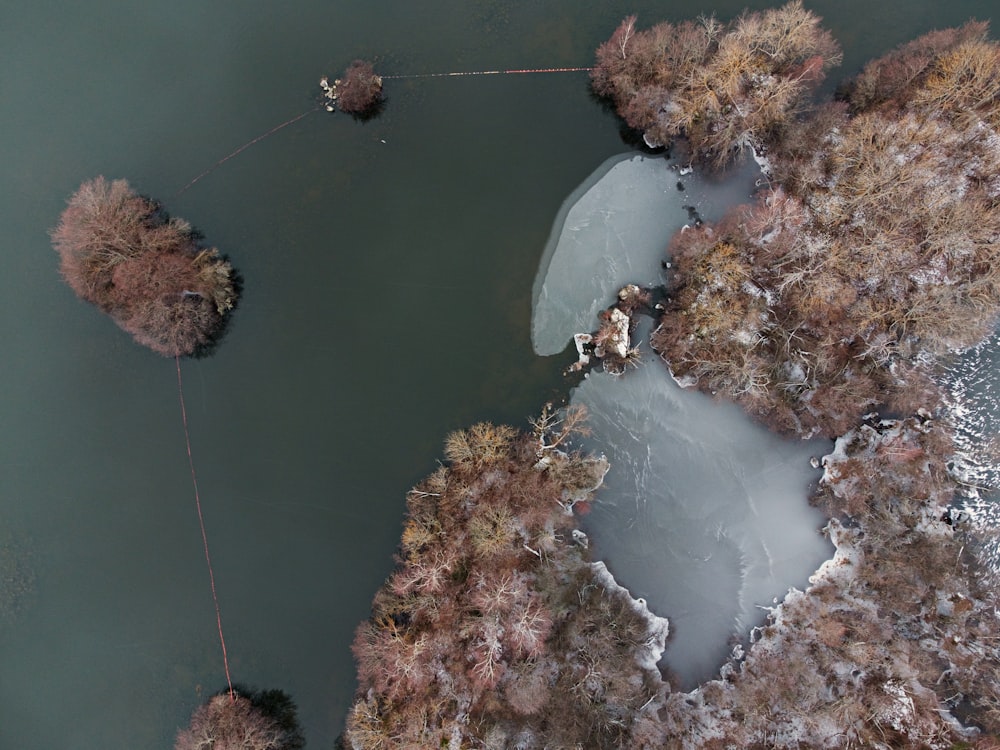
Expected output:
(613, 230)
(703, 513)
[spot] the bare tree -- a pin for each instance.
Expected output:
(236, 723)
(723, 88)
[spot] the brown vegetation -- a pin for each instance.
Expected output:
(359, 92)
(893, 634)
(914, 566)
(258, 721)
(814, 304)
(119, 251)
(724, 88)
(494, 632)
(831, 294)
(875, 254)
(942, 68)
(493, 626)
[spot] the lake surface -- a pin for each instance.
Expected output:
(387, 268)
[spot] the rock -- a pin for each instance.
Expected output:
(581, 340)
(613, 338)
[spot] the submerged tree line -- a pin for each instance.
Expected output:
(867, 259)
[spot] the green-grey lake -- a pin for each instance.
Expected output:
(388, 269)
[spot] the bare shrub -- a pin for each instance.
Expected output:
(172, 327)
(483, 444)
(467, 638)
(103, 225)
(627, 59)
(554, 428)
(801, 168)
(528, 689)
(359, 92)
(965, 82)
(892, 78)
(366, 727)
(492, 530)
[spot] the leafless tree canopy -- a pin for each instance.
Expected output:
(236, 723)
(360, 90)
(876, 248)
(480, 633)
(118, 251)
(722, 87)
(873, 251)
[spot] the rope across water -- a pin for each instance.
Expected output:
(488, 73)
(204, 536)
(180, 384)
(247, 145)
(292, 121)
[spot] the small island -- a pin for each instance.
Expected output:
(358, 93)
(122, 253)
(868, 258)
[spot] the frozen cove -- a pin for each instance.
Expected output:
(704, 514)
(613, 231)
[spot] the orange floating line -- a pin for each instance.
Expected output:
(204, 536)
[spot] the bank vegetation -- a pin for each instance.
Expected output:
(868, 258)
(873, 253)
(723, 87)
(494, 630)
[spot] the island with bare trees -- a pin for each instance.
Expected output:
(119, 251)
(495, 628)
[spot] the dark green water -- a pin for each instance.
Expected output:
(388, 270)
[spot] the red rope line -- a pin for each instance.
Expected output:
(490, 73)
(245, 146)
(204, 536)
(295, 119)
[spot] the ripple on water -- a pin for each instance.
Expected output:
(17, 575)
(972, 385)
